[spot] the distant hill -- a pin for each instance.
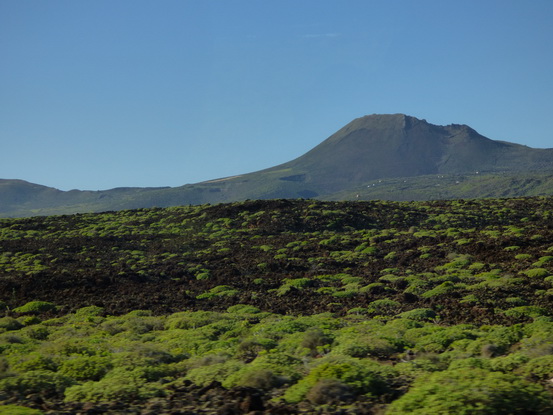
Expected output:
(393, 157)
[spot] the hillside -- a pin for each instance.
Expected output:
(371, 148)
(281, 306)
(391, 146)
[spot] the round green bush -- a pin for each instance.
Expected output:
(10, 324)
(256, 378)
(419, 314)
(35, 307)
(119, 385)
(359, 378)
(35, 381)
(204, 375)
(36, 361)
(328, 391)
(538, 368)
(536, 273)
(29, 320)
(243, 309)
(85, 367)
(18, 410)
(521, 257)
(472, 392)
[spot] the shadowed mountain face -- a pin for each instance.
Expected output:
(369, 148)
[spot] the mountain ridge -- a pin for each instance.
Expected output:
(401, 146)
(372, 147)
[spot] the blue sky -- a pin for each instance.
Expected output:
(110, 93)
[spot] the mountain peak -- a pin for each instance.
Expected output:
(380, 146)
(384, 121)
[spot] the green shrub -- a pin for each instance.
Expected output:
(315, 340)
(299, 283)
(370, 250)
(525, 311)
(345, 293)
(523, 256)
(191, 319)
(367, 345)
(219, 291)
(286, 368)
(372, 287)
(243, 309)
(119, 385)
(539, 368)
(477, 266)
(496, 341)
(203, 276)
(4, 367)
(253, 377)
(18, 410)
(36, 361)
(35, 307)
(90, 311)
(250, 348)
(36, 381)
(419, 314)
(10, 324)
(136, 354)
(383, 305)
(444, 288)
(326, 290)
(469, 298)
(391, 255)
(204, 375)
(536, 273)
(470, 363)
(330, 277)
(542, 260)
(349, 279)
(357, 310)
(472, 392)
(516, 301)
(512, 248)
(141, 324)
(29, 320)
(353, 373)
(508, 363)
(85, 367)
(329, 391)
(436, 339)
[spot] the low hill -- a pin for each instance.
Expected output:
(382, 148)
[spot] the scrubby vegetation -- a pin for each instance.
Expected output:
(281, 306)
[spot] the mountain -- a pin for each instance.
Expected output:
(390, 156)
(21, 198)
(388, 146)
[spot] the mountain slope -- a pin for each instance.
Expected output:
(369, 148)
(385, 146)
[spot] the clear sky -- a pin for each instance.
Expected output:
(109, 93)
